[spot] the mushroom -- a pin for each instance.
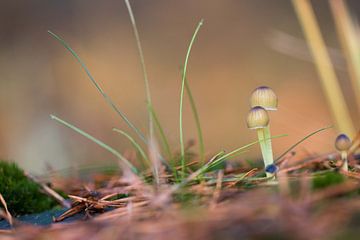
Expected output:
(265, 97)
(258, 119)
(343, 144)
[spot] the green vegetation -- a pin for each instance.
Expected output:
(21, 195)
(327, 179)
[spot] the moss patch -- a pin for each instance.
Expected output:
(327, 179)
(21, 195)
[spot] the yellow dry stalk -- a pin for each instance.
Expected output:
(329, 82)
(349, 41)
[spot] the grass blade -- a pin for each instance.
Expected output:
(135, 144)
(98, 87)
(197, 122)
(142, 60)
(150, 107)
(238, 150)
(182, 146)
(162, 134)
(330, 84)
(301, 140)
(216, 159)
(98, 142)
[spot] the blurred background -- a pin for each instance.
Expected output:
(243, 44)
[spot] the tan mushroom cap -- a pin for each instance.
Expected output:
(257, 118)
(343, 142)
(264, 97)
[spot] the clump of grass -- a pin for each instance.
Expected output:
(22, 195)
(267, 101)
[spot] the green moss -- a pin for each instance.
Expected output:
(21, 195)
(327, 179)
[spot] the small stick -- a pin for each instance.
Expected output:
(217, 189)
(7, 214)
(242, 177)
(299, 166)
(50, 192)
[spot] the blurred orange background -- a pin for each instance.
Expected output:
(243, 44)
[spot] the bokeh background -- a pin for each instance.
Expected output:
(243, 44)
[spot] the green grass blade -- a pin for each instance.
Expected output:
(301, 140)
(214, 160)
(162, 133)
(98, 142)
(197, 122)
(143, 66)
(238, 150)
(182, 146)
(98, 87)
(135, 144)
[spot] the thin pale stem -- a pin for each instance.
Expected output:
(223, 157)
(182, 145)
(267, 136)
(344, 158)
(265, 151)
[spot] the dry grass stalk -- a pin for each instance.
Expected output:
(329, 82)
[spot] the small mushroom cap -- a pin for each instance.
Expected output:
(342, 142)
(264, 97)
(257, 118)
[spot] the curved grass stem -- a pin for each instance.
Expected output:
(301, 140)
(143, 66)
(163, 137)
(182, 146)
(197, 122)
(122, 159)
(135, 144)
(108, 100)
(98, 87)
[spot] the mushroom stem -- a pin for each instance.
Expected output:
(265, 145)
(344, 158)
(267, 136)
